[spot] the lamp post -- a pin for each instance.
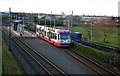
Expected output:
(50, 26)
(33, 21)
(39, 21)
(10, 27)
(23, 25)
(51, 19)
(18, 27)
(72, 23)
(90, 31)
(54, 23)
(68, 23)
(45, 21)
(16, 17)
(28, 20)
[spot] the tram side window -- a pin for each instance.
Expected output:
(55, 36)
(36, 29)
(45, 33)
(42, 31)
(58, 37)
(51, 35)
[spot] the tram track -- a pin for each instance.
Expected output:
(48, 67)
(99, 69)
(106, 48)
(43, 62)
(34, 59)
(100, 46)
(88, 62)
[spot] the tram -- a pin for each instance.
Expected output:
(56, 36)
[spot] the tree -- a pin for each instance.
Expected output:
(105, 36)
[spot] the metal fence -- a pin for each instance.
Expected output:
(23, 59)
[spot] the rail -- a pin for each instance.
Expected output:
(99, 69)
(100, 46)
(36, 55)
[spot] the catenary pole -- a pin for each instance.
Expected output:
(10, 27)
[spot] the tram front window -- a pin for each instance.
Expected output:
(65, 35)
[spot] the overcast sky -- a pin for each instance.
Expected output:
(79, 7)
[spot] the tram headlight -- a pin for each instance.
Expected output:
(68, 41)
(61, 41)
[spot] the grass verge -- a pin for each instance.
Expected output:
(108, 59)
(10, 64)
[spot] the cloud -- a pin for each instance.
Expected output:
(98, 7)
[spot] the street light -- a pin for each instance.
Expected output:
(68, 23)
(28, 21)
(16, 16)
(23, 25)
(45, 21)
(10, 27)
(51, 19)
(54, 23)
(91, 32)
(72, 23)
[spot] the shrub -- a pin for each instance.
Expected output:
(104, 57)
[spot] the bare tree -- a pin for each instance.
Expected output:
(105, 36)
